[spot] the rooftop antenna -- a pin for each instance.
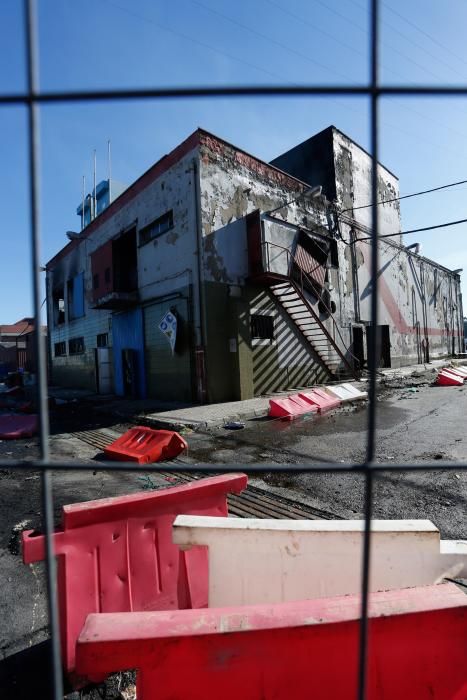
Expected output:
(110, 171)
(95, 189)
(82, 205)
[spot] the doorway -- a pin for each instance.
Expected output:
(383, 345)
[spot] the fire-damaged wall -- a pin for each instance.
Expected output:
(420, 306)
(419, 301)
(232, 185)
(150, 228)
(208, 234)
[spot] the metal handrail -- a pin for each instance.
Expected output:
(300, 290)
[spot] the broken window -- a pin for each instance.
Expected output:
(102, 340)
(76, 346)
(333, 253)
(75, 296)
(60, 349)
(262, 327)
(58, 301)
(125, 270)
(156, 228)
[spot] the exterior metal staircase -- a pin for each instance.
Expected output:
(294, 292)
(300, 310)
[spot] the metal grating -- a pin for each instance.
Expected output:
(32, 99)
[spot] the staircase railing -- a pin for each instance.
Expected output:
(292, 269)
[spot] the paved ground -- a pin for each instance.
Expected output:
(421, 425)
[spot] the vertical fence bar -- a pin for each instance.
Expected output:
(371, 435)
(41, 363)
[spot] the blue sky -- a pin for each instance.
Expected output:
(107, 43)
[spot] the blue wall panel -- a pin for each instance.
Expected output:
(128, 333)
(78, 296)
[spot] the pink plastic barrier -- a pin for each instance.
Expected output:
(417, 649)
(117, 555)
(289, 408)
(13, 427)
(321, 399)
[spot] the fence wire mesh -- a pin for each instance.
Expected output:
(32, 99)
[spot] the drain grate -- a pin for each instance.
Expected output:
(252, 503)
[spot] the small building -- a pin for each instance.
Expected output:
(17, 348)
(217, 276)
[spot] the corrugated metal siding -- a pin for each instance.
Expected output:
(169, 377)
(127, 333)
(308, 263)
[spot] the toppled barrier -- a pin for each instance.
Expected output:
(254, 561)
(13, 427)
(323, 401)
(346, 393)
(117, 554)
(448, 378)
(276, 651)
(289, 408)
(145, 445)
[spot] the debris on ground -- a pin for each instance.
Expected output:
(234, 425)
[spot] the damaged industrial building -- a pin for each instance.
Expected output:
(217, 276)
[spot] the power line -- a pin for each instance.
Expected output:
(415, 230)
(429, 36)
(406, 196)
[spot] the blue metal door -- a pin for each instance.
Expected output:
(128, 354)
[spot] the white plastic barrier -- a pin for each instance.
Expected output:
(269, 561)
(346, 392)
(462, 370)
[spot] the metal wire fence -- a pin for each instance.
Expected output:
(32, 99)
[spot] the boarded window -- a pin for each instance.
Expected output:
(75, 291)
(102, 340)
(76, 346)
(60, 349)
(262, 327)
(156, 228)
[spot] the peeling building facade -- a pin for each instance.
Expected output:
(264, 268)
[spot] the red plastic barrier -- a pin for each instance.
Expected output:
(117, 555)
(144, 445)
(13, 427)
(446, 378)
(289, 408)
(321, 399)
(290, 650)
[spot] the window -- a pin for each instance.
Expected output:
(107, 275)
(76, 346)
(75, 297)
(60, 349)
(102, 340)
(156, 228)
(262, 327)
(58, 302)
(95, 281)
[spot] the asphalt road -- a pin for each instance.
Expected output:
(420, 426)
(426, 425)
